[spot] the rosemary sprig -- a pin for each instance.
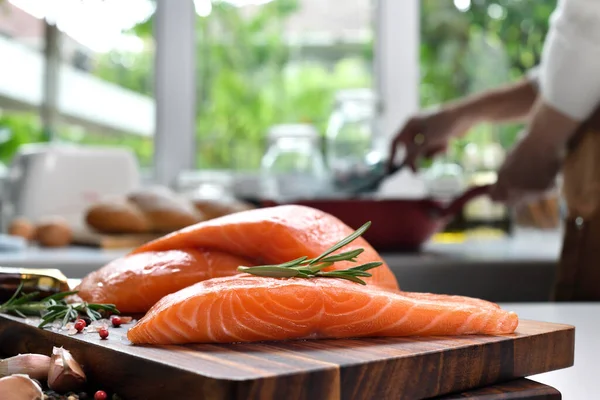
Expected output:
(53, 308)
(304, 267)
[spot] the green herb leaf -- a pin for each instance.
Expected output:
(367, 266)
(52, 308)
(343, 243)
(306, 268)
(272, 271)
(347, 256)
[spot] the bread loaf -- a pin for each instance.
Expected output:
(165, 211)
(218, 208)
(22, 227)
(53, 232)
(117, 217)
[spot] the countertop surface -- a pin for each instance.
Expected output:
(483, 267)
(524, 245)
(579, 382)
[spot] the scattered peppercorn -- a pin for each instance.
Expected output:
(103, 332)
(87, 320)
(83, 396)
(116, 321)
(100, 395)
(80, 325)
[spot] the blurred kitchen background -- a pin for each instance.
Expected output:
(216, 100)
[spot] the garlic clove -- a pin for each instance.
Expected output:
(65, 373)
(20, 387)
(34, 365)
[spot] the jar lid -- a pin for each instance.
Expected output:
(299, 131)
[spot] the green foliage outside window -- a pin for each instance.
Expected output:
(249, 78)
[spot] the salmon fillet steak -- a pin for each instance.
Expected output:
(245, 308)
(135, 283)
(216, 247)
(275, 235)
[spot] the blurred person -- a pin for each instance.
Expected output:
(558, 102)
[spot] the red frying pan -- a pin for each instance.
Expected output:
(397, 224)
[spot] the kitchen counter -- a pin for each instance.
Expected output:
(580, 381)
(510, 269)
(519, 268)
(74, 262)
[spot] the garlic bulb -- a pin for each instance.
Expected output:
(20, 387)
(34, 365)
(65, 373)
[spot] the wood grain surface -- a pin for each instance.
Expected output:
(378, 368)
(521, 389)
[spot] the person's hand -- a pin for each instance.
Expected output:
(529, 171)
(427, 134)
(531, 168)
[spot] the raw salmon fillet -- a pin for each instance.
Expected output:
(275, 235)
(245, 308)
(136, 282)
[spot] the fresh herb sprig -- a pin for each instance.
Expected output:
(304, 267)
(53, 308)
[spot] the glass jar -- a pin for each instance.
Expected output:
(293, 165)
(350, 131)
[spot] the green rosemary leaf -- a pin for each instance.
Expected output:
(92, 314)
(320, 266)
(52, 308)
(59, 296)
(67, 316)
(367, 266)
(347, 256)
(25, 298)
(346, 273)
(53, 314)
(51, 317)
(343, 242)
(313, 268)
(272, 271)
(15, 294)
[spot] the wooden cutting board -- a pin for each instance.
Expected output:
(518, 389)
(378, 368)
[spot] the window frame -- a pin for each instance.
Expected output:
(396, 76)
(175, 90)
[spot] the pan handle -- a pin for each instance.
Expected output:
(459, 202)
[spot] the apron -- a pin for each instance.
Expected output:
(578, 273)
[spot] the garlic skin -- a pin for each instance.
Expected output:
(36, 366)
(65, 374)
(19, 387)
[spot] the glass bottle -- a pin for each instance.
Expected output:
(293, 165)
(350, 133)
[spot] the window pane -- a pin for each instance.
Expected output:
(104, 76)
(273, 63)
(468, 46)
(21, 40)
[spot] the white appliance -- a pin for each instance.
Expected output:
(63, 180)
